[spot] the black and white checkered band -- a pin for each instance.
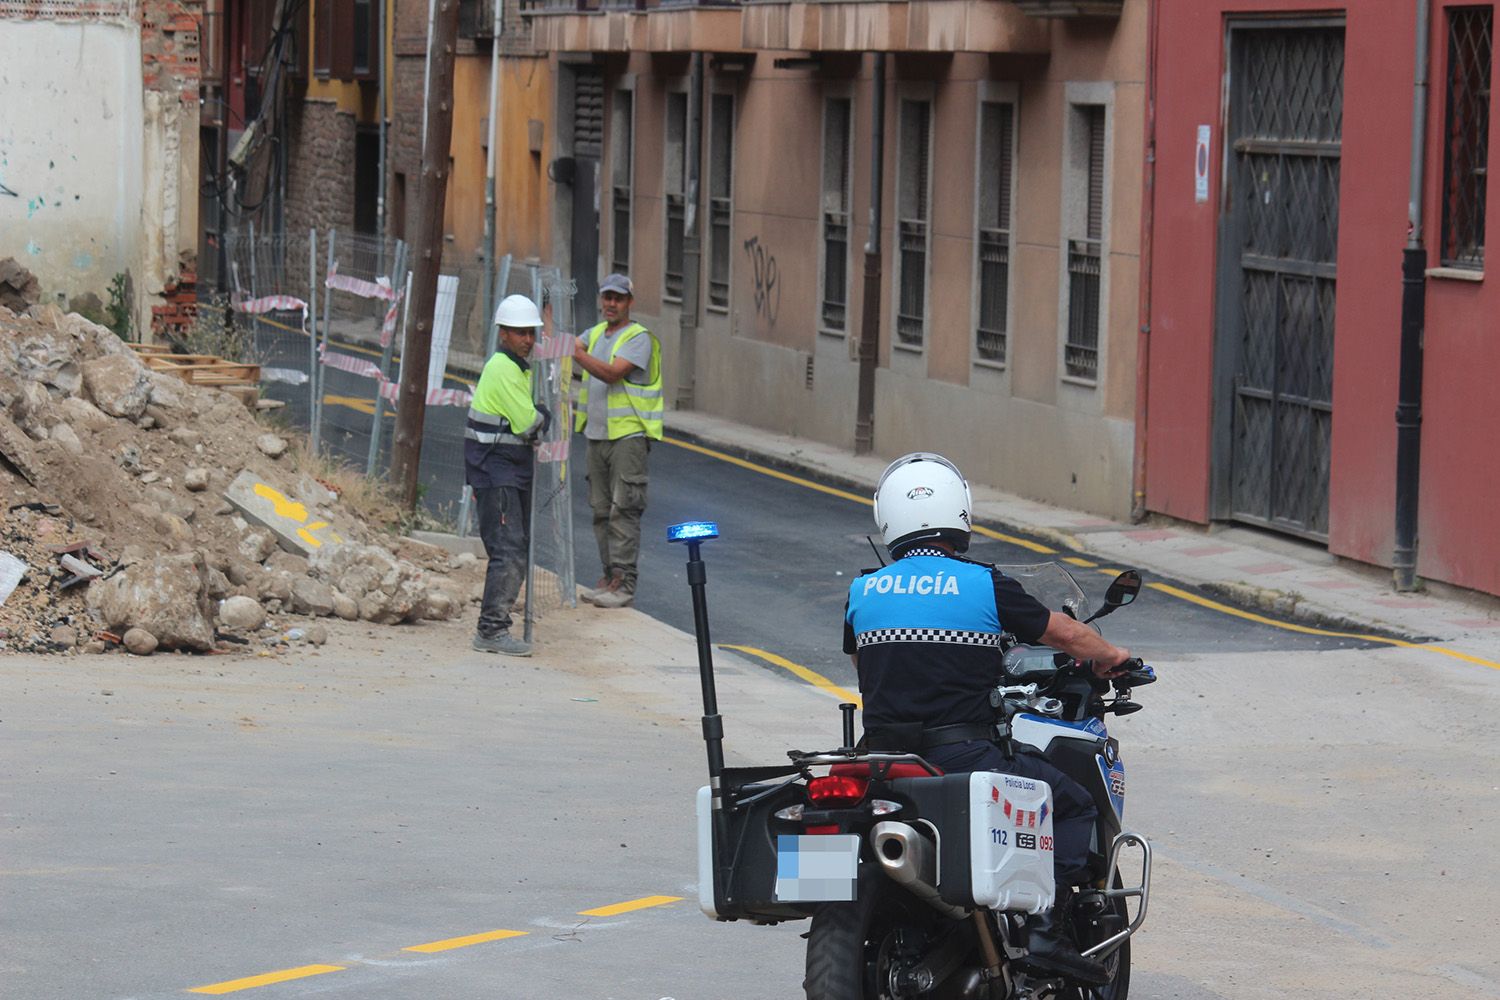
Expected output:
(923, 550)
(877, 636)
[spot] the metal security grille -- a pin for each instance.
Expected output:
(622, 152)
(1081, 353)
(996, 145)
(720, 191)
(1466, 140)
(1278, 287)
(588, 112)
(911, 307)
(836, 118)
(676, 202)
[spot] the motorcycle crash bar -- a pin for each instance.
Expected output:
(1143, 891)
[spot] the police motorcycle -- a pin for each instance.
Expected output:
(918, 883)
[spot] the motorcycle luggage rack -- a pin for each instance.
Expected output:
(880, 763)
(1123, 840)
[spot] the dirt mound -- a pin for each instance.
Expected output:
(97, 449)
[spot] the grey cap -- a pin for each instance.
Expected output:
(617, 283)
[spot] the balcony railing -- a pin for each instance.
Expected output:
(835, 270)
(1071, 8)
(911, 309)
(1081, 353)
(994, 294)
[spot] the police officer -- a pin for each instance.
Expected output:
(499, 440)
(620, 412)
(926, 646)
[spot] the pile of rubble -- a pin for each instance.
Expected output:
(143, 512)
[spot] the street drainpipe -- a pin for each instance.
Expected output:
(869, 320)
(1413, 324)
(1148, 242)
(692, 254)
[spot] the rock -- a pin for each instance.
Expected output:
(145, 423)
(81, 413)
(140, 642)
(151, 477)
(67, 438)
(287, 562)
(438, 605)
(156, 414)
(195, 479)
(177, 531)
(274, 587)
(129, 457)
(65, 636)
(271, 445)
(464, 559)
(164, 499)
(257, 545)
(240, 572)
(244, 613)
(311, 597)
(218, 584)
(117, 385)
(17, 449)
(345, 606)
(167, 595)
(94, 647)
(317, 635)
(184, 436)
(19, 290)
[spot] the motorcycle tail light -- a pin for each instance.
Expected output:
(834, 790)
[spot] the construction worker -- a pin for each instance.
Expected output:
(499, 443)
(620, 412)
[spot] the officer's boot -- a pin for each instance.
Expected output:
(1050, 945)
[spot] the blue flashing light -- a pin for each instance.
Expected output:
(693, 531)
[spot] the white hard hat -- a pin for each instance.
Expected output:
(517, 311)
(920, 497)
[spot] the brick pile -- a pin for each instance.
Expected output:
(170, 322)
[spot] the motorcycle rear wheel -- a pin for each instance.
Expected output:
(850, 945)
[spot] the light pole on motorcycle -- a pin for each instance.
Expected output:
(694, 534)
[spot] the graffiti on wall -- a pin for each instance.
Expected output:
(766, 278)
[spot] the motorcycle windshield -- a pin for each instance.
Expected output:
(1049, 583)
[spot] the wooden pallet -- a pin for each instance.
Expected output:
(237, 378)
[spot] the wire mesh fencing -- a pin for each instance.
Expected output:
(326, 316)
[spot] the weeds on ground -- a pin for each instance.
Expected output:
(121, 294)
(370, 499)
(214, 331)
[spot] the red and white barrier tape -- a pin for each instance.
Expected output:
(271, 303)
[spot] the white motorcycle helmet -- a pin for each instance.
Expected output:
(921, 497)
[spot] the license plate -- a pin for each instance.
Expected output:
(817, 869)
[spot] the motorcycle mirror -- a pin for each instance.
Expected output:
(1122, 591)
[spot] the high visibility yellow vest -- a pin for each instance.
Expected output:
(633, 408)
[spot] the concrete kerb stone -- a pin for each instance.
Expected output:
(296, 528)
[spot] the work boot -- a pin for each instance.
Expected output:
(1050, 946)
(598, 589)
(616, 598)
(606, 587)
(503, 643)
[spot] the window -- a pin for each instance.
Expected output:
(720, 193)
(1085, 251)
(365, 47)
(622, 153)
(347, 43)
(1466, 137)
(676, 165)
(997, 131)
(837, 119)
(912, 226)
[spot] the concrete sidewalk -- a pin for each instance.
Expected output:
(1282, 577)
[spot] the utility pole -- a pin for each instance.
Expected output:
(411, 404)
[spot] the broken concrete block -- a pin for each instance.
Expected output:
(243, 613)
(117, 385)
(140, 642)
(15, 449)
(297, 529)
(165, 595)
(271, 445)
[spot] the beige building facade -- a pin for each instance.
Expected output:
(1011, 156)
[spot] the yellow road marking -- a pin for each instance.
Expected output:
(249, 982)
(356, 403)
(615, 909)
(812, 677)
(1310, 630)
(1075, 561)
(449, 944)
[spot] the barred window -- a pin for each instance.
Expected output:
(1466, 136)
(837, 118)
(676, 166)
(912, 224)
(622, 155)
(1085, 252)
(720, 193)
(992, 248)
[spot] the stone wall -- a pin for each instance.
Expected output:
(320, 172)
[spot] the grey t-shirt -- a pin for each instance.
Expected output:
(638, 352)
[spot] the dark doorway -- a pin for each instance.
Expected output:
(1278, 243)
(588, 148)
(366, 181)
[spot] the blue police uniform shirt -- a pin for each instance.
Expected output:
(927, 630)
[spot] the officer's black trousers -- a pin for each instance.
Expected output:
(504, 525)
(1074, 812)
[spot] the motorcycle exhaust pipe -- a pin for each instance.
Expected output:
(911, 862)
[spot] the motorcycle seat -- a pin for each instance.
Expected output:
(861, 769)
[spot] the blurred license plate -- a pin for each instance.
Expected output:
(817, 869)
